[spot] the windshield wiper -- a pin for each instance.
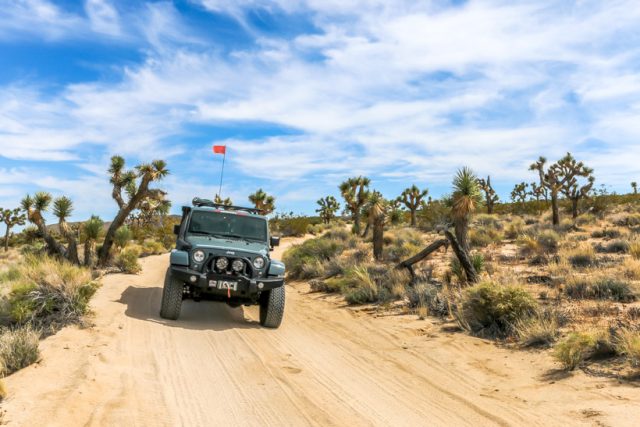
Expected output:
(203, 233)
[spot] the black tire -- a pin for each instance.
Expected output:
(272, 307)
(171, 297)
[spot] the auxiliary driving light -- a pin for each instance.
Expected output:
(260, 285)
(193, 279)
(258, 263)
(198, 256)
(222, 263)
(237, 265)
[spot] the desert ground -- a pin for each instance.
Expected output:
(328, 364)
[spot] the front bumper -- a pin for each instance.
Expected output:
(246, 285)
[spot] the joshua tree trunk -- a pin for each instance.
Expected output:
(356, 222)
(72, 243)
(90, 253)
(6, 238)
(413, 217)
(554, 208)
(574, 207)
(463, 257)
(462, 231)
(489, 207)
(378, 238)
(105, 250)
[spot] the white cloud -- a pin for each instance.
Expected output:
(103, 17)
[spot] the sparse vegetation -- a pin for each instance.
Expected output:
(18, 349)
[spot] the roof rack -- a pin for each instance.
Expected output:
(198, 202)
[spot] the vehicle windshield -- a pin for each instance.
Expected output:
(220, 224)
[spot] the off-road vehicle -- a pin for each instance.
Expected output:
(222, 254)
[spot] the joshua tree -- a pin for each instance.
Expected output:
(634, 186)
(219, 200)
(91, 230)
(377, 211)
(11, 218)
(559, 175)
(575, 192)
(263, 202)
(355, 192)
(328, 208)
(520, 193)
(62, 208)
(136, 184)
(395, 214)
(35, 207)
(412, 198)
(464, 200)
(490, 195)
(538, 191)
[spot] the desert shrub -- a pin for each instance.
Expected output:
(393, 280)
(329, 285)
(318, 249)
(430, 299)
(615, 247)
(545, 242)
(514, 228)
(631, 220)
(486, 220)
(312, 269)
(566, 225)
(599, 287)
(152, 247)
(360, 287)
(541, 329)
(122, 237)
(582, 256)
(47, 292)
(549, 241)
(433, 215)
(482, 237)
(493, 310)
(18, 349)
(627, 343)
(127, 260)
(585, 219)
(291, 225)
(574, 349)
(608, 233)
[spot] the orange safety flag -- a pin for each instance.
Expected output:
(219, 149)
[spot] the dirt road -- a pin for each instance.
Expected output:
(326, 365)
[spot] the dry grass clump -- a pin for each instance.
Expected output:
(541, 244)
(401, 244)
(599, 287)
(541, 329)
(580, 346)
(45, 291)
(634, 249)
(430, 299)
(627, 343)
(586, 219)
(514, 228)
(477, 260)
(298, 258)
(630, 220)
(490, 309)
(607, 233)
(630, 269)
(584, 255)
(483, 237)
(18, 349)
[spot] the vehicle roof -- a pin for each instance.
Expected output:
(227, 211)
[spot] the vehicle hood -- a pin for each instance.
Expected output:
(234, 245)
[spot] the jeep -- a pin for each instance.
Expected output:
(222, 254)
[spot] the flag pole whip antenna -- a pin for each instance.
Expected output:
(224, 156)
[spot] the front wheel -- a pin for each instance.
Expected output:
(171, 297)
(272, 307)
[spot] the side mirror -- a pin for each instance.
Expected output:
(176, 229)
(275, 241)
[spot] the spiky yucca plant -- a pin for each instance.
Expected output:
(62, 209)
(465, 198)
(377, 213)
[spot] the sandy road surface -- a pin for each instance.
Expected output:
(326, 365)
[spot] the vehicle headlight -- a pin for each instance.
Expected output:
(222, 263)
(198, 256)
(237, 265)
(258, 262)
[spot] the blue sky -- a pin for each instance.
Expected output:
(308, 92)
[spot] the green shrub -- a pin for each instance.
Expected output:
(18, 349)
(127, 261)
(609, 233)
(122, 237)
(493, 310)
(581, 256)
(514, 228)
(314, 250)
(360, 287)
(573, 350)
(47, 292)
(152, 247)
(484, 237)
(477, 260)
(600, 287)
